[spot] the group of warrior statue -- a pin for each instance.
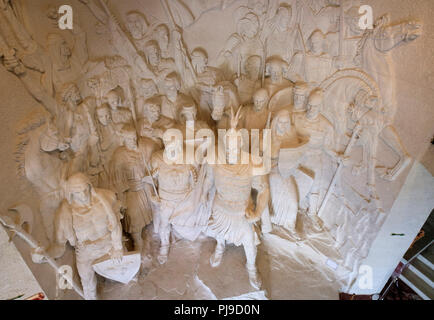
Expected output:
(99, 160)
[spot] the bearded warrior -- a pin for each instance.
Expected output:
(89, 220)
(234, 210)
(128, 170)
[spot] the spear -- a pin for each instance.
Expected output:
(181, 45)
(8, 223)
(341, 29)
(338, 170)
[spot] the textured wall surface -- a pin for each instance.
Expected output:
(414, 118)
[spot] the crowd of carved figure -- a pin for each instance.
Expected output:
(303, 74)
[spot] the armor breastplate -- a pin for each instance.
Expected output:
(233, 187)
(89, 223)
(174, 179)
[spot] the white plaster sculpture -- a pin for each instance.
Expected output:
(129, 166)
(303, 70)
(284, 191)
(89, 221)
(154, 124)
(319, 130)
(249, 81)
(178, 197)
(233, 210)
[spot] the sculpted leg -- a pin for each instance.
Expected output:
(164, 233)
(251, 251)
(138, 241)
(391, 138)
(217, 256)
(87, 276)
(266, 226)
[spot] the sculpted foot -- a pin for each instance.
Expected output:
(162, 256)
(254, 278)
(393, 173)
(216, 258)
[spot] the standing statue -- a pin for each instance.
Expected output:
(314, 126)
(207, 78)
(147, 89)
(243, 44)
(172, 101)
(250, 79)
(284, 38)
(176, 183)
(317, 64)
(256, 115)
(120, 114)
(284, 190)
(89, 221)
(77, 126)
(154, 124)
(234, 211)
(108, 140)
(129, 167)
(159, 66)
(276, 69)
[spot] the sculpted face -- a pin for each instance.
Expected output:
(65, 51)
(162, 36)
(283, 124)
(130, 141)
(276, 73)
(312, 111)
(81, 195)
(283, 18)
(299, 100)
(248, 29)
(171, 88)
(149, 89)
(154, 56)
(260, 101)
(199, 63)
(74, 98)
(104, 116)
(218, 100)
(188, 114)
(136, 26)
(316, 43)
(153, 112)
(113, 100)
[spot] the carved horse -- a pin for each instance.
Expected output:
(224, 98)
(39, 162)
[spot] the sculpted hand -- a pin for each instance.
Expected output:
(412, 31)
(251, 214)
(63, 146)
(116, 256)
(176, 34)
(38, 255)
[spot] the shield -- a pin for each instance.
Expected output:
(122, 272)
(290, 158)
